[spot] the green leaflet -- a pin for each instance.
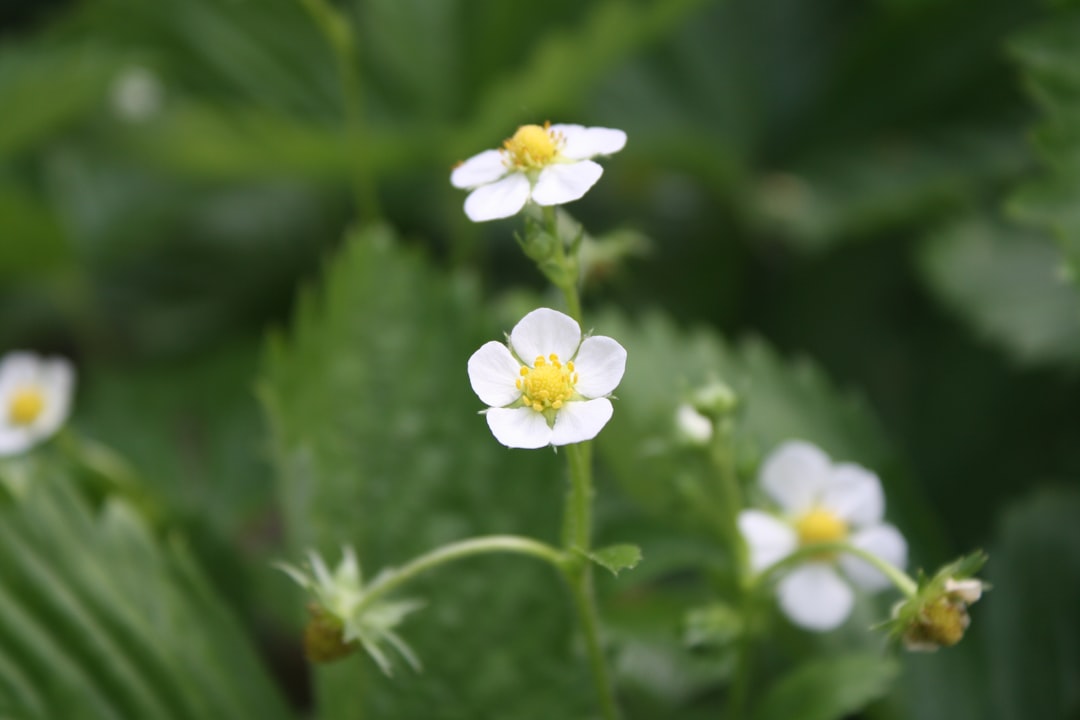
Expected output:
(1006, 283)
(104, 620)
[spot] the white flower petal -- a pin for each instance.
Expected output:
(565, 182)
(600, 364)
(500, 199)
(493, 372)
(57, 379)
(519, 427)
(582, 142)
(815, 597)
(767, 538)
(887, 543)
(854, 494)
(545, 331)
(692, 426)
(487, 167)
(794, 475)
(14, 440)
(18, 369)
(580, 421)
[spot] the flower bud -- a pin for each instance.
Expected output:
(715, 399)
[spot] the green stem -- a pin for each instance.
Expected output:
(339, 33)
(568, 286)
(462, 549)
(577, 539)
(896, 576)
(577, 521)
(722, 455)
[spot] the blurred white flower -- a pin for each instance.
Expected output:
(35, 399)
(136, 94)
(548, 386)
(691, 427)
(820, 502)
(549, 165)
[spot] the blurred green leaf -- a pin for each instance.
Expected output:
(782, 400)
(378, 444)
(34, 240)
(829, 689)
(564, 66)
(1028, 621)
(616, 558)
(851, 192)
(1049, 56)
(1006, 283)
(44, 88)
(104, 621)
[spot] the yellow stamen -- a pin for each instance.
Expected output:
(532, 146)
(820, 526)
(26, 405)
(548, 384)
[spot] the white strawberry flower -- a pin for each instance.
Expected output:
(35, 399)
(547, 386)
(820, 502)
(550, 165)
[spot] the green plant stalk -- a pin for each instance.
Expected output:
(903, 582)
(577, 537)
(339, 33)
(569, 284)
(462, 549)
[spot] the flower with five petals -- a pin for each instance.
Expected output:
(547, 386)
(820, 502)
(550, 165)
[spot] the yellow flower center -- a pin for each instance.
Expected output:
(26, 405)
(548, 384)
(820, 526)
(532, 146)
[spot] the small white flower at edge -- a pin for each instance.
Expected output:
(35, 399)
(549, 165)
(547, 386)
(820, 502)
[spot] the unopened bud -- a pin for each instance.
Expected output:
(715, 399)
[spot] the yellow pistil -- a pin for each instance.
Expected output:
(532, 147)
(26, 405)
(547, 384)
(820, 526)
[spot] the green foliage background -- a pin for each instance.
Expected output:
(861, 216)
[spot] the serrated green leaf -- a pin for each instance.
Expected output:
(1006, 283)
(102, 621)
(1049, 56)
(378, 444)
(829, 689)
(782, 400)
(616, 558)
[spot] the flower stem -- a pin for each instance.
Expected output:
(462, 549)
(896, 576)
(567, 266)
(577, 538)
